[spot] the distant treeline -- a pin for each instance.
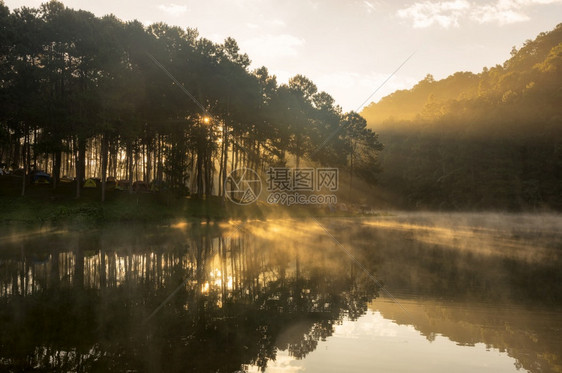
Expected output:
(83, 96)
(487, 140)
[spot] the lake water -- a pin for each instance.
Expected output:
(400, 293)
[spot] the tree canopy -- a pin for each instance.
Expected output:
(84, 96)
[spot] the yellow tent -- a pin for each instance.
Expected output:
(90, 183)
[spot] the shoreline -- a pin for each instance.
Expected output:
(165, 208)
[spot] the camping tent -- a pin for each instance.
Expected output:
(41, 177)
(90, 183)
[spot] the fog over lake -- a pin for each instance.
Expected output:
(403, 292)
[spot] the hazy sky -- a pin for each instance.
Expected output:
(349, 47)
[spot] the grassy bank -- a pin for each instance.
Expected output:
(43, 204)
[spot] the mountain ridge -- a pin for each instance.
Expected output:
(532, 77)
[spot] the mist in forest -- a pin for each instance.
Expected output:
(485, 141)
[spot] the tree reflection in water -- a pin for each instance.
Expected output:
(102, 300)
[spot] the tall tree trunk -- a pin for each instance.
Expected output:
(200, 172)
(25, 165)
(114, 151)
(148, 162)
(46, 163)
(104, 151)
(82, 159)
(225, 164)
(160, 170)
(298, 150)
(209, 174)
(56, 168)
(34, 147)
(221, 163)
(130, 158)
(78, 172)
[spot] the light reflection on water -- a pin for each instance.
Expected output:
(374, 343)
(435, 336)
(481, 293)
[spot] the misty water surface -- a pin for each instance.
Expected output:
(462, 292)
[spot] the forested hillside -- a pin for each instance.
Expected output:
(83, 96)
(487, 140)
